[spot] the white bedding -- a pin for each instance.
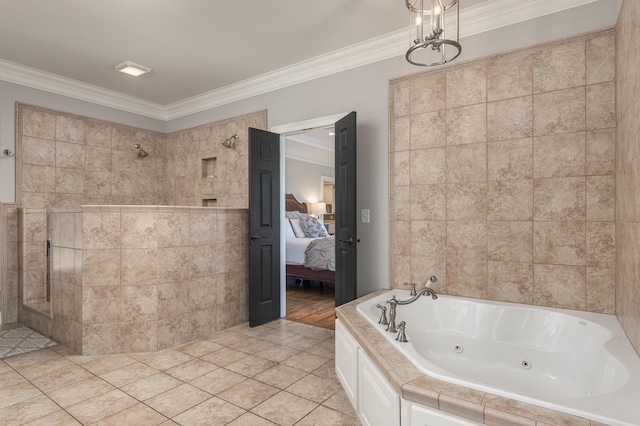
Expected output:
(295, 248)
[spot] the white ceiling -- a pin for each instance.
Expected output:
(205, 53)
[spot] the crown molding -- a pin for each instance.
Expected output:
(474, 20)
(41, 80)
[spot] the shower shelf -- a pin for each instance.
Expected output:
(209, 167)
(210, 202)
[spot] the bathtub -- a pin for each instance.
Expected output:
(575, 362)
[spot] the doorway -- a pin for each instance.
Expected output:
(308, 301)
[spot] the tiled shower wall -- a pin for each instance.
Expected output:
(628, 171)
(502, 176)
(65, 160)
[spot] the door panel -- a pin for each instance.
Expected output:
(264, 226)
(346, 217)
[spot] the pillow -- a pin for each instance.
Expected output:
(313, 228)
(295, 214)
(297, 228)
(288, 230)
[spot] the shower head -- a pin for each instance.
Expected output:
(228, 143)
(141, 152)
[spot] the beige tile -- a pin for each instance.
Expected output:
(467, 240)
(139, 414)
(250, 366)
(428, 130)
(325, 348)
(28, 410)
(128, 374)
(401, 162)
(560, 243)
(224, 356)
(78, 392)
(17, 393)
(562, 111)
(284, 408)
(70, 155)
(510, 159)
(151, 386)
(100, 231)
(510, 282)
(427, 167)
(177, 400)
(510, 200)
(138, 230)
(166, 358)
(277, 353)
(43, 368)
(467, 277)
(560, 286)
(559, 155)
(70, 129)
(250, 419)
(101, 267)
(401, 134)
(601, 239)
(191, 370)
(57, 418)
(139, 266)
(401, 202)
(9, 377)
(427, 92)
(101, 406)
(601, 290)
(98, 134)
(203, 292)
(601, 152)
(248, 394)
(280, 376)
(560, 67)
(38, 123)
(38, 178)
(428, 238)
(510, 241)
(466, 86)
(509, 76)
(600, 198)
(38, 151)
(559, 199)
(70, 181)
(218, 381)
(540, 414)
(326, 416)
(57, 379)
(466, 163)
(466, 201)
(101, 304)
(600, 59)
(339, 401)
(510, 119)
(199, 348)
(172, 229)
(314, 388)
(466, 125)
(212, 411)
(173, 264)
(426, 202)
(138, 303)
(601, 106)
(173, 331)
(139, 336)
(101, 338)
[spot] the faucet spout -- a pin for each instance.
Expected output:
(424, 290)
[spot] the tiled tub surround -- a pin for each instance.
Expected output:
(412, 385)
(143, 278)
(628, 170)
(502, 176)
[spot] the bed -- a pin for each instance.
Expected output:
(296, 248)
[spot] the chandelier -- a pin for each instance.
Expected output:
(429, 45)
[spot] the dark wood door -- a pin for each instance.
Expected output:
(264, 226)
(346, 217)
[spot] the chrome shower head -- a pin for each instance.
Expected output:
(228, 143)
(141, 152)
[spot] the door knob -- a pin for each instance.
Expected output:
(349, 240)
(255, 237)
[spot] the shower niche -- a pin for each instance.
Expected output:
(209, 166)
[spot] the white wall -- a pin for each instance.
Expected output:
(302, 179)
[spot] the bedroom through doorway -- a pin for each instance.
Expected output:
(309, 188)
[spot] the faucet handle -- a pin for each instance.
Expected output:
(413, 288)
(402, 335)
(383, 316)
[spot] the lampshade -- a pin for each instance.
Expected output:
(318, 208)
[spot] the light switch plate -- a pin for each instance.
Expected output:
(366, 218)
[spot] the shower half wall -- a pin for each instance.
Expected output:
(143, 278)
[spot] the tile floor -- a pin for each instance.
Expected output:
(279, 373)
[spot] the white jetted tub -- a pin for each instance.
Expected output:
(576, 362)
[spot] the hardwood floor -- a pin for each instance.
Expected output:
(311, 304)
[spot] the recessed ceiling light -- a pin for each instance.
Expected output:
(332, 134)
(130, 68)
